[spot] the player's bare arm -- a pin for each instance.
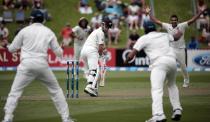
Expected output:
(130, 56)
(154, 19)
(194, 18)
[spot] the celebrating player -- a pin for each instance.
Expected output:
(81, 32)
(34, 41)
(178, 46)
(92, 49)
(163, 66)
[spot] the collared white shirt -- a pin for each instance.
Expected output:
(181, 26)
(81, 34)
(155, 45)
(34, 41)
(96, 38)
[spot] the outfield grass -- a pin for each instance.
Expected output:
(125, 98)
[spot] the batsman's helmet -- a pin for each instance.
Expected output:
(149, 27)
(107, 22)
(37, 16)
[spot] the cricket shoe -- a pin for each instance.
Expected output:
(67, 120)
(8, 118)
(177, 114)
(186, 83)
(157, 118)
(91, 91)
(7, 121)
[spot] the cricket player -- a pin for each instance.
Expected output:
(34, 41)
(80, 33)
(163, 67)
(179, 46)
(92, 49)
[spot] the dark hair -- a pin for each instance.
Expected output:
(174, 16)
(83, 19)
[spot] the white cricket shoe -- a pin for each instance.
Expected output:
(157, 118)
(186, 83)
(91, 91)
(177, 114)
(8, 118)
(67, 120)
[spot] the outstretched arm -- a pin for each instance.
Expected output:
(189, 22)
(154, 19)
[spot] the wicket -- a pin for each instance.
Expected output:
(74, 78)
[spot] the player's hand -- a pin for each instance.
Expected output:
(125, 62)
(104, 52)
(62, 46)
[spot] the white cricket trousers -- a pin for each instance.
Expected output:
(180, 57)
(90, 57)
(163, 69)
(77, 50)
(26, 73)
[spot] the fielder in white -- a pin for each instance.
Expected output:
(179, 46)
(163, 67)
(92, 49)
(80, 33)
(34, 41)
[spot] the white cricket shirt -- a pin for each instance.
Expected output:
(34, 41)
(96, 38)
(181, 26)
(155, 45)
(81, 34)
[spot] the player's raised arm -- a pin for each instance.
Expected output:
(194, 18)
(154, 19)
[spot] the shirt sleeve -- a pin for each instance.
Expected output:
(16, 43)
(165, 26)
(183, 25)
(140, 44)
(55, 46)
(75, 29)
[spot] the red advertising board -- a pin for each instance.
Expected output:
(7, 59)
(11, 60)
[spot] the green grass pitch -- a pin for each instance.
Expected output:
(125, 98)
